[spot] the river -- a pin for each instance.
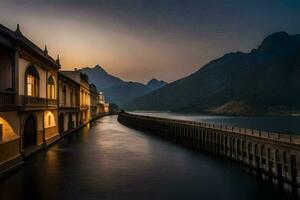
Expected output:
(111, 161)
(278, 124)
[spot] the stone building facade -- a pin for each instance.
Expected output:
(103, 107)
(94, 101)
(84, 94)
(69, 110)
(38, 104)
(28, 95)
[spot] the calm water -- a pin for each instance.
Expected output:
(281, 124)
(111, 161)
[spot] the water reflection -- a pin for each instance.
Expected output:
(111, 161)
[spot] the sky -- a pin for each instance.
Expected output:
(139, 40)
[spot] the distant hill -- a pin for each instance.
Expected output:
(263, 81)
(155, 84)
(117, 90)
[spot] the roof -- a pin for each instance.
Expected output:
(77, 76)
(26, 44)
(68, 78)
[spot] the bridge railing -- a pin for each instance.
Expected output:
(287, 138)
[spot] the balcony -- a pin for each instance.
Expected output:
(28, 102)
(52, 102)
(7, 101)
(34, 101)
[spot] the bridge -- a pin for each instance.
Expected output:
(272, 154)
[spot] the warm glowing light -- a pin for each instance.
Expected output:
(51, 88)
(106, 108)
(1, 131)
(30, 85)
(6, 131)
(49, 119)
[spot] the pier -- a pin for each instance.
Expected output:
(273, 154)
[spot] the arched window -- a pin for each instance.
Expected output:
(32, 82)
(51, 87)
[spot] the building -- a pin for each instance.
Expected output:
(94, 101)
(103, 107)
(38, 103)
(84, 94)
(28, 96)
(69, 109)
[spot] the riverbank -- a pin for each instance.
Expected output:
(111, 161)
(8, 167)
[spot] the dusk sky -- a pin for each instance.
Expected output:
(141, 39)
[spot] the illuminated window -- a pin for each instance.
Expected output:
(30, 85)
(51, 88)
(32, 81)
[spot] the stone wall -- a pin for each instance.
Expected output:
(275, 155)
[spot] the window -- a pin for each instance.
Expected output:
(71, 97)
(64, 95)
(30, 85)
(75, 97)
(82, 98)
(32, 82)
(51, 88)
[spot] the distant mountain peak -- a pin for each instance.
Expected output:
(277, 41)
(99, 69)
(275, 37)
(155, 84)
(281, 44)
(152, 81)
(115, 89)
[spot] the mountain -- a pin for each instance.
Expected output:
(98, 76)
(117, 90)
(265, 80)
(155, 84)
(125, 92)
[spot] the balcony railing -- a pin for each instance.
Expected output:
(28, 101)
(34, 101)
(7, 99)
(51, 102)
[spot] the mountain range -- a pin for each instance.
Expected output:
(117, 90)
(265, 80)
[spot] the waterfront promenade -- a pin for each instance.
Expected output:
(275, 155)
